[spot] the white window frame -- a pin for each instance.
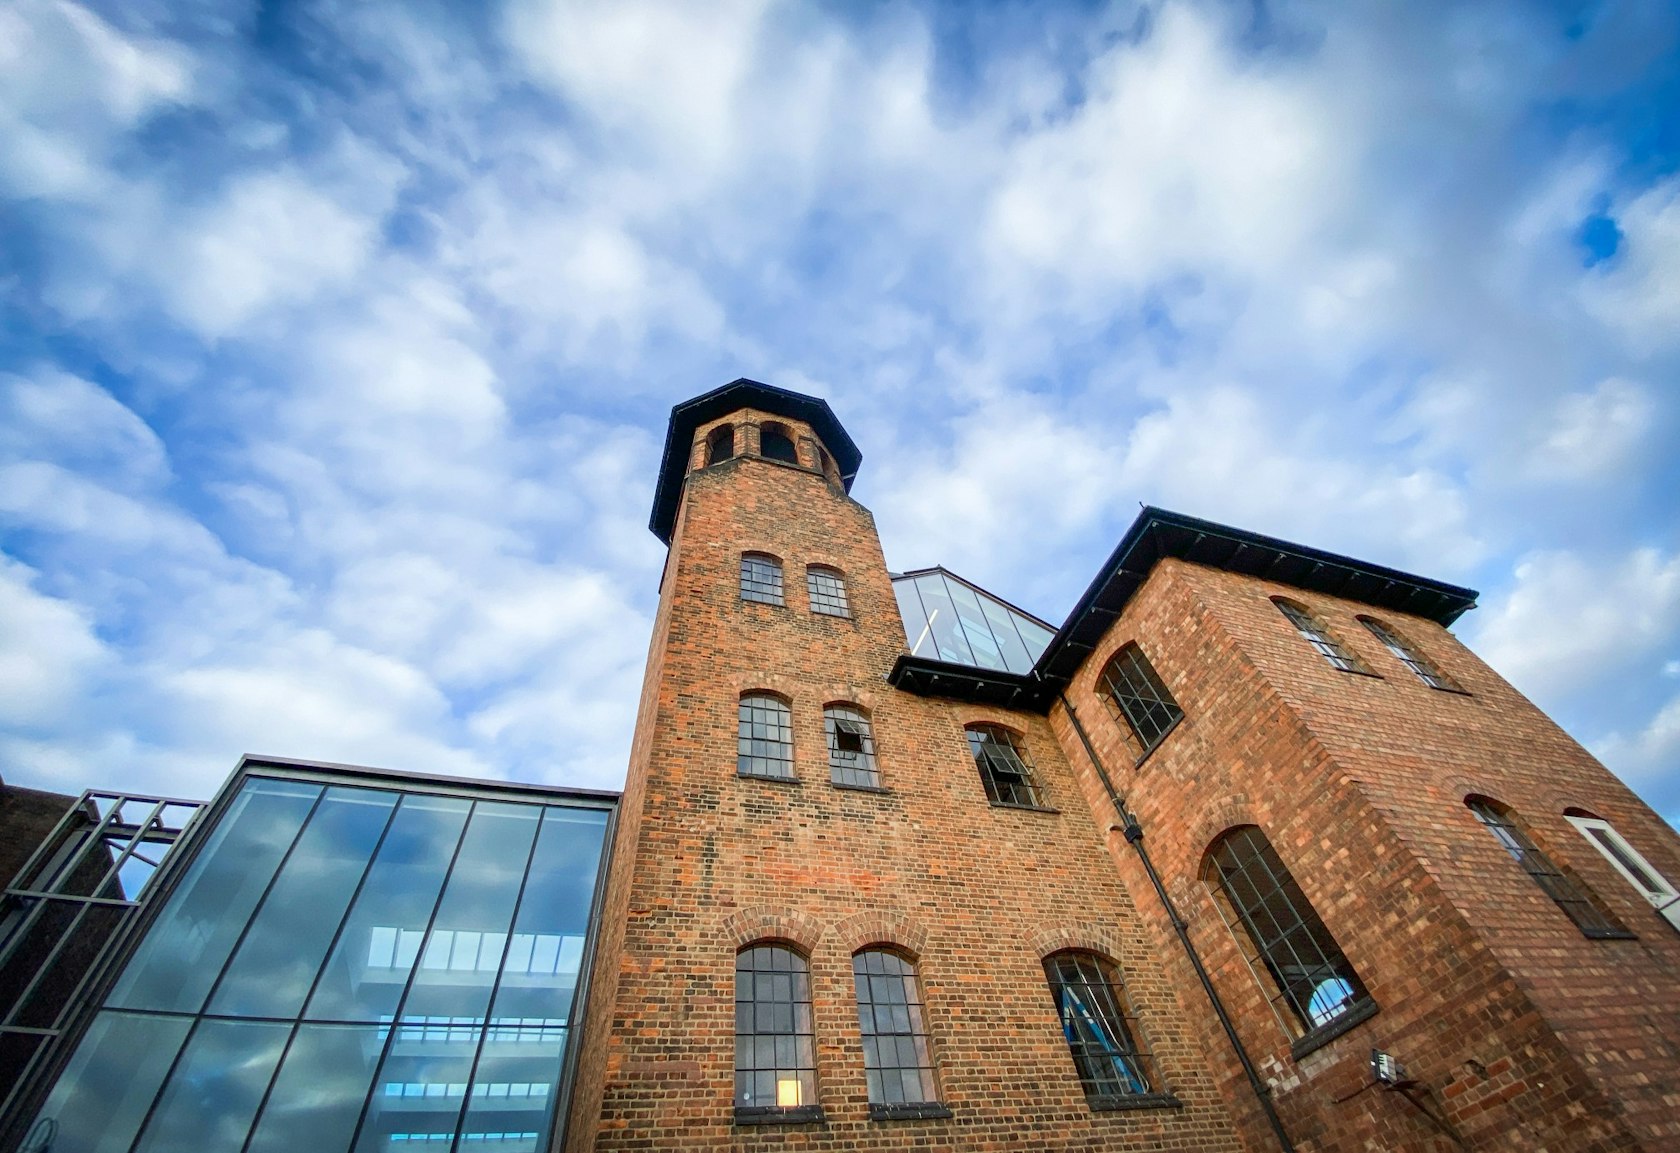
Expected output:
(1665, 900)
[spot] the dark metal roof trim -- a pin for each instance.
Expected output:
(930, 678)
(1157, 534)
(737, 394)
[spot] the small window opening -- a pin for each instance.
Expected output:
(775, 443)
(720, 444)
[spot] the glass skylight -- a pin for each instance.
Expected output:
(948, 619)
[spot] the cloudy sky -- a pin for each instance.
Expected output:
(337, 339)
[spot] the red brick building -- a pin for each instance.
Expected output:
(1168, 877)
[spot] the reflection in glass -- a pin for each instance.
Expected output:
(442, 1007)
(275, 965)
(215, 1090)
(948, 619)
(184, 951)
(319, 1093)
(369, 966)
(102, 1096)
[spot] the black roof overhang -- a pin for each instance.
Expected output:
(1157, 534)
(738, 394)
(931, 678)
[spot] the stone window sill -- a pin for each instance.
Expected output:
(908, 1111)
(767, 777)
(778, 1115)
(1330, 1030)
(1109, 1102)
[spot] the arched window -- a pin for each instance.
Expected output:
(775, 1054)
(761, 578)
(1101, 1033)
(1569, 896)
(1003, 765)
(1280, 932)
(1410, 657)
(896, 1058)
(1135, 694)
(764, 741)
(851, 747)
(827, 589)
(1319, 637)
(720, 444)
(1647, 881)
(776, 443)
(825, 463)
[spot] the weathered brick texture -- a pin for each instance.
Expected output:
(1521, 1032)
(706, 862)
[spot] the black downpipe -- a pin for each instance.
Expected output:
(1134, 837)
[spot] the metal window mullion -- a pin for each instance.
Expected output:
(413, 975)
(320, 971)
(1237, 939)
(496, 982)
(221, 973)
(94, 836)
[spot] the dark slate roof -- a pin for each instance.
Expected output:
(1155, 535)
(743, 393)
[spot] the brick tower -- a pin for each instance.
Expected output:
(796, 831)
(1250, 853)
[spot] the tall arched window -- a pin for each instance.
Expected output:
(1135, 695)
(1101, 1032)
(720, 444)
(776, 443)
(1319, 637)
(896, 1058)
(1314, 985)
(1003, 765)
(851, 747)
(1569, 896)
(775, 1053)
(764, 740)
(1410, 657)
(761, 578)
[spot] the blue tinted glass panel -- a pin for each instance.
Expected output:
(916, 633)
(981, 643)
(1015, 657)
(364, 978)
(274, 967)
(1036, 637)
(214, 1092)
(519, 1070)
(320, 1090)
(944, 628)
(104, 1093)
(184, 951)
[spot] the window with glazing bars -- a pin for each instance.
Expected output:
(1410, 657)
(761, 578)
(828, 592)
(1314, 982)
(1135, 694)
(851, 747)
(896, 1058)
(1101, 1034)
(1319, 637)
(775, 1054)
(1003, 766)
(1569, 896)
(764, 741)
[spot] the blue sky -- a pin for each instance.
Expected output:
(337, 339)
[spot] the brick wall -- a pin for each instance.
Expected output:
(1521, 1032)
(706, 861)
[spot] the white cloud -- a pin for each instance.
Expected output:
(1569, 623)
(52, 414)
(1638, 292)
(70, 83)
(1594, 434)
(48, 650)
(1649, 758)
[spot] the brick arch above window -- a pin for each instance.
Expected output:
(883, 929)
(1075, 936)
(721, 445)
(1137, 698)
(768, 924)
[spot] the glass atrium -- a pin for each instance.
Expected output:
(350, 963)
(948, 619)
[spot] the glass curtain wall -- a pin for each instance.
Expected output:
(347, 967)
(948, 619)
